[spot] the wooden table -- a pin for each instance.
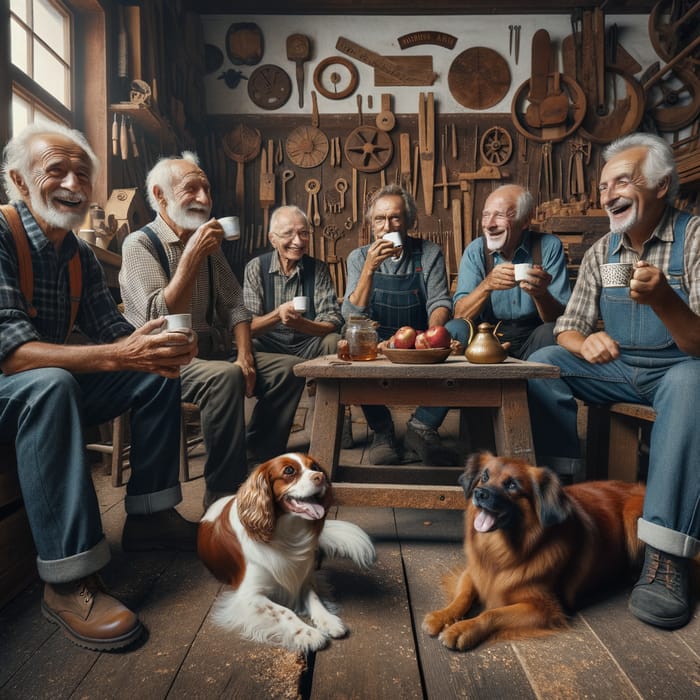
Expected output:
(455, 383)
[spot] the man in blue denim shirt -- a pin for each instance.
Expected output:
(647, 354)
(49, 390)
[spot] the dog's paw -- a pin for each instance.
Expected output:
(309, 639)
(332, 625)
(433, 622)
(460, 636)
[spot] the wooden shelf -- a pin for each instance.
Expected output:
(148, 120)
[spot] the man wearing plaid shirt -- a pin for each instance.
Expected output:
(647, 353)
(49, 390)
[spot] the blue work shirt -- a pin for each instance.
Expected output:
(513, 304)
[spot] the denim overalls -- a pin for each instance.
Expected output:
(400, 299)
(651, 370)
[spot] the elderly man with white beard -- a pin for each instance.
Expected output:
(646, 353)
(50, 390)
(175, 265)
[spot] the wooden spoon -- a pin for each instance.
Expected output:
(299, 51)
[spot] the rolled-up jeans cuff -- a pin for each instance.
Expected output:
(147, 503)
(74, 567)
(667, 540)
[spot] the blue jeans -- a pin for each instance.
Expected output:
(433, 416)
(671, 517)
(43, 412)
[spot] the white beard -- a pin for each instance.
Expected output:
(496, 242)
(47, 211)
(187, 219)
(623, 226)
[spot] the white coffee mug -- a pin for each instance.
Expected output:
(301, 304)
(178, 322)
(394, 237)
(521, 271)
(232, 227)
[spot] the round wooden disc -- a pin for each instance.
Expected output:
(269, 86)
(479, 78)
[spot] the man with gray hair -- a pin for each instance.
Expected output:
(647, 353)
(274, 279)
(488, 291)
(51, 390)
(175, 265)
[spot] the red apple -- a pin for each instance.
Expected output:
(405, 337)
(421, 342)
(438, 337)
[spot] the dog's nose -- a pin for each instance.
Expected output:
(318, 478)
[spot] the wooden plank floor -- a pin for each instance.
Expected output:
(606, 653)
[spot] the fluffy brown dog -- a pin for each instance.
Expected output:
(533, 549)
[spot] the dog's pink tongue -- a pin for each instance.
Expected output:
(313, 511)
(484, 521)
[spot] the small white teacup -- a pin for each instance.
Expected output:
(232, 227)
(301, 304)
(522, 270)
(394, 237)
(178, 322)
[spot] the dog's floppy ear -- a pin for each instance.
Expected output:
(471, 470)
(551, 501)
(256, 506)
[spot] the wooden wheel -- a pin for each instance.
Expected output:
(368, 149)
(307, 146)
(673, 24)
(496, 146)
(673, 102)
(340, 83)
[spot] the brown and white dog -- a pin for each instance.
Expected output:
(534, 549)
(264, 541)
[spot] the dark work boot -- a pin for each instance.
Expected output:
(383, 449)
(421, 442)
(661, 597)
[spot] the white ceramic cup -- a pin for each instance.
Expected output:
(616, 274)
(301, 304)
(178, 322)
(521, 271)
(394, 237)
(88, 234)
(232, 227)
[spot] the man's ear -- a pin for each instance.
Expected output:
(20, 184)
(662, 189)
(160, 196)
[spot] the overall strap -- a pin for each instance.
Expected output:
(268, 285)
(613, 255)
(309, 284)
(417, 257)
(160, 250)
(26, 270)
(536, 248)
(675, 264)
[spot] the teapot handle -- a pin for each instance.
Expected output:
(471, 330)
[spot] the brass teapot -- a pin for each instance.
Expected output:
(483, 346)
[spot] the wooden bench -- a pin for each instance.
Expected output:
(617, 437)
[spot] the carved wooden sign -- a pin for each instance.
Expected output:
(443, 39)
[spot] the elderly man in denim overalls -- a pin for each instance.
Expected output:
(647, 354)
(402, 286)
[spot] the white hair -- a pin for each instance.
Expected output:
(17, 153)
(659, 163)
(161, 175)
(287, 209)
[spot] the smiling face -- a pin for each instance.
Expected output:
(187, 203)
(634, 206)
(498, 221)
(289, 237)
(58, 186)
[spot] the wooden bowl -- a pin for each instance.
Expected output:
(414, 356)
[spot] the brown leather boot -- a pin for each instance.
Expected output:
(89, 616)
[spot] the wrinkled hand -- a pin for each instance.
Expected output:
(378, 252)
(537, 282)
(288, 314)
(501, 277)
(648, 284)
(247, 364)
(456, 347)
(148, 350)
(205, 240)
(599, 348)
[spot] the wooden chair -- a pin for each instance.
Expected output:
(114, 445)
(617, 437)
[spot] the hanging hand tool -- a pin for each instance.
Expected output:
(299, 51)
(510, 40)
(287, 175)
(267, 186)
(115, 136)
(517, 43)
(132, 138)
(426, 145)
(123, 139)
(341, 185)
(405, 168)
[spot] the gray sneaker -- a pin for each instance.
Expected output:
(424, 444)
(661, 597)
(383, 449)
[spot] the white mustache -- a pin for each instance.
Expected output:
(68, 196)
